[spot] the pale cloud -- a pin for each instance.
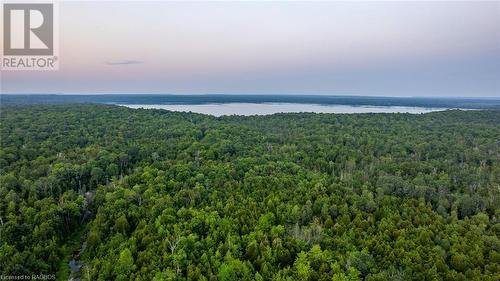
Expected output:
(123, 62)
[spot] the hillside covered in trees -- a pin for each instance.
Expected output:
(135, 194)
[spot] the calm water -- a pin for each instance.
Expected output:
(219, 109)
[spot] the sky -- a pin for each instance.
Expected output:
(309, 48)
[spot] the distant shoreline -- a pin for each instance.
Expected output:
(425, 102)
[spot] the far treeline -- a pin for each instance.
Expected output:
(428, 102)
(135, 194)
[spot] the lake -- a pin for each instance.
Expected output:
(220, 109)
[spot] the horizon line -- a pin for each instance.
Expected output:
(253, 94)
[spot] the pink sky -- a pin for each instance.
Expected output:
(360, 48)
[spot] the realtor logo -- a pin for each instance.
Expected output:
(28, 29)
(29, 36)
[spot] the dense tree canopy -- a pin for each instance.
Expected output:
(157, 195)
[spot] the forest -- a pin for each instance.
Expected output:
(136, 194)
